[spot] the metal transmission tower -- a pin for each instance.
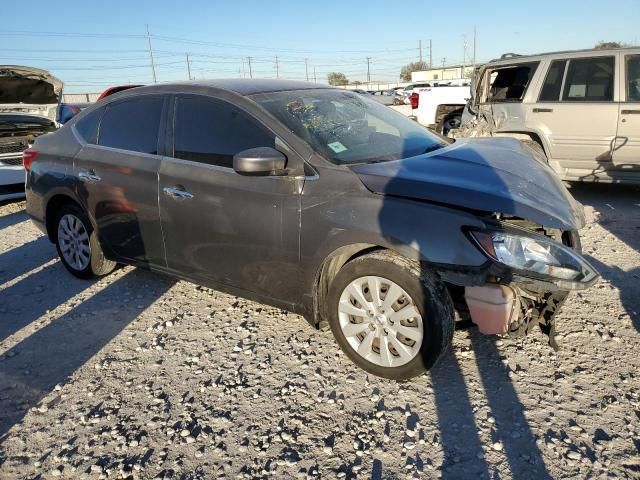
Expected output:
(306, 68)
(153, 65)
(250, 70)
(188, 66)
(420, 49)
(277, 68)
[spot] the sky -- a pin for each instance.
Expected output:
(93, 45)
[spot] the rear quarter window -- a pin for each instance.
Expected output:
(87, 126)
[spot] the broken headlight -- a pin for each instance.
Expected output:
(538, 255)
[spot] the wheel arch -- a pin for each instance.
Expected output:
(526, 135)
(54, 204)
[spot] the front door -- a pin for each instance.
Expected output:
(626, 156)
(219, 226)
(577, 113)
(117, 171)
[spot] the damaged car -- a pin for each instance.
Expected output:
(578, 110)
(29, 99)
(318, 201)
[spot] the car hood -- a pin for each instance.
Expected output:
(490, 174)
(29, 91)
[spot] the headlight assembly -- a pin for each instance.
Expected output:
(537, 255)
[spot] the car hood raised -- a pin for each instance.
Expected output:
(488, 174)
(29, 91)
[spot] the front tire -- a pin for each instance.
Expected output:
(391, 317)
(77, 244)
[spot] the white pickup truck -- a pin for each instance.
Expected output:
(440, 108)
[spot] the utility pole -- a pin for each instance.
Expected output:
(315, 80)
(188, 66)
(244, 74)
(464, 53)
(368, 69)
(153, 65)
(430, 55)
(277, 68)
(444, 62)
(306, 68)
(420, 49)
(475, 42)
(250, 70)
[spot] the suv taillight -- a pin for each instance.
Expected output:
(415, 100)
(28, 156)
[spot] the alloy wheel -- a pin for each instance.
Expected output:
(73, 239)
(380, 321)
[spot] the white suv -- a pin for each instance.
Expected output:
(581, 109)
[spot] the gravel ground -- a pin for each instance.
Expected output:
(140, 376)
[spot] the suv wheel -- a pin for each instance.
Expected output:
(451, 122)
(389, 317)
(78, 246)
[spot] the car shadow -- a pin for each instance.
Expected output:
(24, 258)
(619, 213)
(13, 219)
(464, 455)
(35, 295)
(49, 356)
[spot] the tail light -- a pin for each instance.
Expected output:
(415, 100)
(28, 156)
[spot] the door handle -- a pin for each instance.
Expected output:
(543, 110)
(177, 193)
(630, 112)
(89, 177)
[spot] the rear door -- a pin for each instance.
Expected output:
(219, 226)
(627, 153)
(577, 113)
(117, 171)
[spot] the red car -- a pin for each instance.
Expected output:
(112, 90)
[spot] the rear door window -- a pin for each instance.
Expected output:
(132, 125)
(589, 80)
(509, 84)
(553, 82)
(87, 126)
(212, 131)
(633, 78)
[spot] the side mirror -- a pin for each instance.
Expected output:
(259, 161)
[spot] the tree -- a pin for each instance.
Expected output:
(405, 72)
(337, 78)
(356, 82)
(602, 45)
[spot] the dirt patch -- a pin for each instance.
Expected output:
(140, 376)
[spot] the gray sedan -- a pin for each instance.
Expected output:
(315, 200)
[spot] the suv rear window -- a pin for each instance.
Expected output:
(509, 84)
(589, 80)
(132, 125)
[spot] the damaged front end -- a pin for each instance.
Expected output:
(530, 274)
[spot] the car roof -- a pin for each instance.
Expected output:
(510, 58)
(240, 86)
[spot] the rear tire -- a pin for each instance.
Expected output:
(451, 122)
(389, 339)
(77, 244)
